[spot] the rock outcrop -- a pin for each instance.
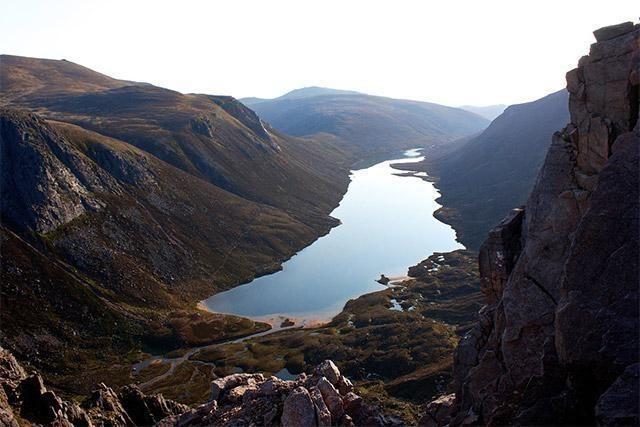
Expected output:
(24, 397)
(557, 341)
(239, 399)
(39, 191)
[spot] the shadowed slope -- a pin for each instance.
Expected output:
(494, 171)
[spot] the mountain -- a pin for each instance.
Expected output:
(489, 112)
(123, 204)
(304, 92)
(558, 341)
(360, 122)
(212, 138)
(490, 173)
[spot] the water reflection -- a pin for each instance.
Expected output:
(387, 226)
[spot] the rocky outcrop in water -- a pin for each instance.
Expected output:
(324, 398)
(557, 341)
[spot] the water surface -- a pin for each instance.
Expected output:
(387, 226)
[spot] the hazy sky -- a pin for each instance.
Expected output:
(452, 52)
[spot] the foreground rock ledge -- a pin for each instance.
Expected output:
(323, 398)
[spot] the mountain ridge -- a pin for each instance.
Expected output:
(304, 92)
(498, 165)
(373, 123)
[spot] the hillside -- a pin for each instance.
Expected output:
(212, 138)
(124, 204)
(304, 92)
(22, 76)
(494, 171)
(364, 122)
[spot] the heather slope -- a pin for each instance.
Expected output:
(91, 218)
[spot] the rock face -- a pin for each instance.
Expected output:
(557, 341)
(25, 397)
(239, 399)
(59, 195)
(298, 409)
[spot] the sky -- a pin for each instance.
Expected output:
(451, 52)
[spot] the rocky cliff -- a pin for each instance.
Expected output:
(323, 398)
(557, 342)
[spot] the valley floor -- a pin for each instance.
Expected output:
(396, 344)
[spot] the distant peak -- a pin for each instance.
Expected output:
(310, 91)
(489, 112)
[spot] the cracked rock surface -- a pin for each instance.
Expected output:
(238, 400)
(557, 341)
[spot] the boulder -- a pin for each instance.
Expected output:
(298, 410)
(344, 385)
(331, 398)
(220, 385)
(271, 386)
(612, 31)
(237, 393)
(7, 418)
(329, 370)
(323, 415)
(438, 411)
(10, 369)
(38, 403)
(134, 403)
(104, 407)
(352, 404)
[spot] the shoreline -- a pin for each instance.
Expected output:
(312, 318)
(274, 320)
